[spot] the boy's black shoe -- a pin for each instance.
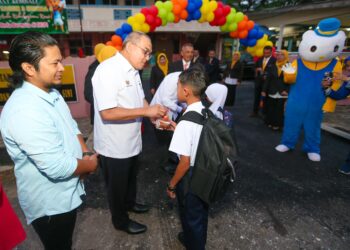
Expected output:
(181, 238)
(139, 208)
(133, 227)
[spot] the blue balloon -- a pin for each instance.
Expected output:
(189, 18)
(251, 42)
(191, 7)
(260, 34)
(244, 41)
(198, 3)
(252, 33)
(124, 36)
(196, 15)
(126, 28)
(119, 32)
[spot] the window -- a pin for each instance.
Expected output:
(87, 1)
(132, 2)
(74, 14)
(110, 2)
(121, 14)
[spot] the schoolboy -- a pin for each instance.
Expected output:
(193, 211)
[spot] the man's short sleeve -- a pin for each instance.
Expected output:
(105, 87)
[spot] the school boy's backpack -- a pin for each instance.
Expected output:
(216, 157)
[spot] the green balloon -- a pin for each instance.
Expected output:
(164, 22)
(162, 13)
(230, 18)
(233, 11)
(232, 27)
(168, 6)
(159, 4)
(224, 28)
(170, 17)
(239, 17)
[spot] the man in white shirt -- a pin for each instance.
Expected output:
(119, 107)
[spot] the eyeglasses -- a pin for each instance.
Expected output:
(145, 52)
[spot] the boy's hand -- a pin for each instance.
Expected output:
(171, 194)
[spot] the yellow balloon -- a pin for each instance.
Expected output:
(204, 9)
(210, 16)
(260, 43)
(213, 5)
(140, 18)
(259, 52)
(265, 37)
(130, 20)
(145, 28)
(269, 43)
(251, 49)
(136, 27)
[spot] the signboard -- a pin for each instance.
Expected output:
(18, 16)
(67, 89)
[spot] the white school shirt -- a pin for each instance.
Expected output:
(117, 84)
(186, 135)
(166, 95)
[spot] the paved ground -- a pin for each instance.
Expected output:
(280, 201)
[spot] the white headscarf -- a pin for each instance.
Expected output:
(216, 94)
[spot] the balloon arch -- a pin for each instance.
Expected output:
(215, 13)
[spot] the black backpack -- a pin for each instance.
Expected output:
(216, 157)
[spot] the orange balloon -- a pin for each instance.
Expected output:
(250, 24)
(234, 34)
(245, 18)
(242, 34)
(242, 25)
(183, 3)
(177, 19)
(118, 47)
(109, 43)
(116, 40)
(183, 14)
(177, 9)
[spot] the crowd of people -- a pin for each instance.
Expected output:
(50, 155)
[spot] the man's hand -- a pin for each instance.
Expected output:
(156, 111)
(288, 68)
(326, 83)
(171, 194)
(153, 91)
(263, 93)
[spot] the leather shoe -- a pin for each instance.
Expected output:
(181, 238)
(133, 227)
(139, 208)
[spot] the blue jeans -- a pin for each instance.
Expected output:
(194, 218)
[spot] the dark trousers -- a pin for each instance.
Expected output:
(257, 95)
(120, 177)
(274, 111)
(194, 218)
(56, 231)
(231, 95)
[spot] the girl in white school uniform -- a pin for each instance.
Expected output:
(216, 94)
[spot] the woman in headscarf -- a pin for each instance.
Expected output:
(159, 71)
(233, 77)
(276, 92)
(216, 94)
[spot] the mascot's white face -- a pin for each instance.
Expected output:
(315, 48)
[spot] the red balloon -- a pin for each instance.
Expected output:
(145, 11)
(150, 19)
(158, 21)
(219, 12)
(221, 21)
(220, 4)
(227, 9)
(242, 34)
(153, 10)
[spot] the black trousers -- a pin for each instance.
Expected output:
(231, 95)
(56, 231)
(194, 218)
(120, 178)
(274, 111)
(257, 95)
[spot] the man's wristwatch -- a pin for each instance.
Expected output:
(87, 153)
(171, 189)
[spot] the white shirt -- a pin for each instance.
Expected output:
(117, 84)
(186, 135)
(166, 95)
(184, 64)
